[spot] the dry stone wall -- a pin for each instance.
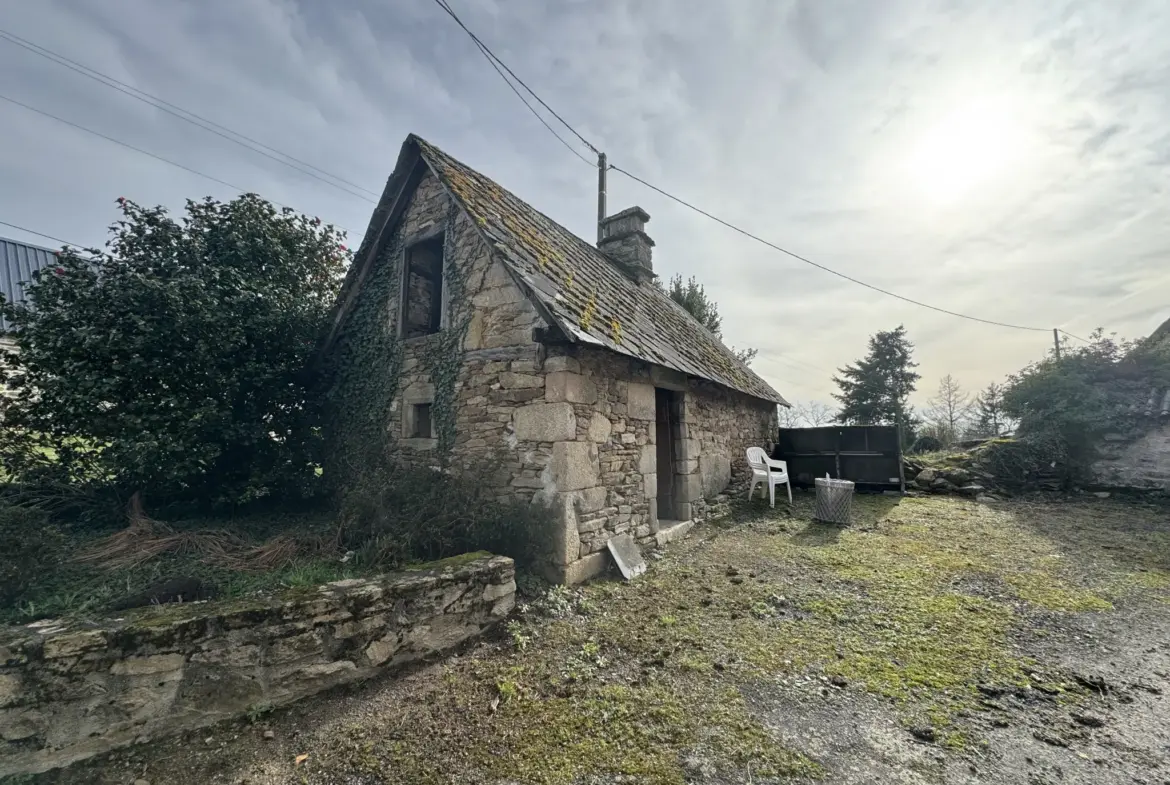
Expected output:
(71, 691)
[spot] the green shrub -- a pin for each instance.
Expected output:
(174, 363)
(403, 514)
(32, 546)
(1066, 405)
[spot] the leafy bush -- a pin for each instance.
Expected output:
(175, 362)
(403, 514)
(1064, 406)
(32, 546)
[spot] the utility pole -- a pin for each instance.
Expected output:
(601, 167)
(901, 459)
(1056, 340)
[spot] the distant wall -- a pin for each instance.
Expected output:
(1143, 463)
(71, 691)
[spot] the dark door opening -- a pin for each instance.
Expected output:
(665, 429)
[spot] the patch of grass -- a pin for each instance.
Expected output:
(73, 589)
(919, 602)
(638, 731)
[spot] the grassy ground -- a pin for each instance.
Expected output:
(80, 590)
(746, 652)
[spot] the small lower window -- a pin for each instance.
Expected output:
(421, 421)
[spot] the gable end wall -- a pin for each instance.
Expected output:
(570, 426)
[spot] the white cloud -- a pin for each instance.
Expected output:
(1008, 163)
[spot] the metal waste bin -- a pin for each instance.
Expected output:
(834, 498)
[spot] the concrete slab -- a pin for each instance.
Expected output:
(669, 531)
(625, 552)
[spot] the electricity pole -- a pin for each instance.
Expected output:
(601, 167)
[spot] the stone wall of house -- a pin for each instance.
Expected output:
(563, 425)
(72, 691)
(726, 423)
(1142, 464)
(497, 358)
(602, 475)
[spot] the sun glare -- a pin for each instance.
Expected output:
(967, 147)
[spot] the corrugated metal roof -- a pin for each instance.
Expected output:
(17, 263)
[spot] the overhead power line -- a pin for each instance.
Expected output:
(806, 260)
(188, 116)
(41, 234)
(147, 153)
(1070, 335)
(492, 57)
(488, 52)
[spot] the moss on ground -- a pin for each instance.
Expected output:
(449, 562)
(919, 602)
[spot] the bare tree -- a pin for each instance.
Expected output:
(815, 413)
(949, 410)
(807, 414)
(789, 417)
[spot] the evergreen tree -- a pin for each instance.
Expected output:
(989, 411)
(173, 362)
(693, 297)
(876, 389)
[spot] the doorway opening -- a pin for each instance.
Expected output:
(667, 418)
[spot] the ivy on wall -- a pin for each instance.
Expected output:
(368, 362)
(445, 361)
(365, 371)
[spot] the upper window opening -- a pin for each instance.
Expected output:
(423, 297)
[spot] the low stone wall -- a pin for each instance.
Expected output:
(71, 691)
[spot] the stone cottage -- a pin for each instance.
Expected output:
(556, 368)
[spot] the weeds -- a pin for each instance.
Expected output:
(520, 638)
(257, 712)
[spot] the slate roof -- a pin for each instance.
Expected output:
(18, 261)
(588, 297)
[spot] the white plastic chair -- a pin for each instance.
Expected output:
(766, 470)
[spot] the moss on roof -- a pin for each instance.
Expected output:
(591, 299)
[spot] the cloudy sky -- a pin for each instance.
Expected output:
(1008, 164)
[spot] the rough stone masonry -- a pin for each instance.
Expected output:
(69, 691)
(570, 426)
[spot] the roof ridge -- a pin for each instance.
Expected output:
(583, 289)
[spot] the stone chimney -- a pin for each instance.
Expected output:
(624, 240)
